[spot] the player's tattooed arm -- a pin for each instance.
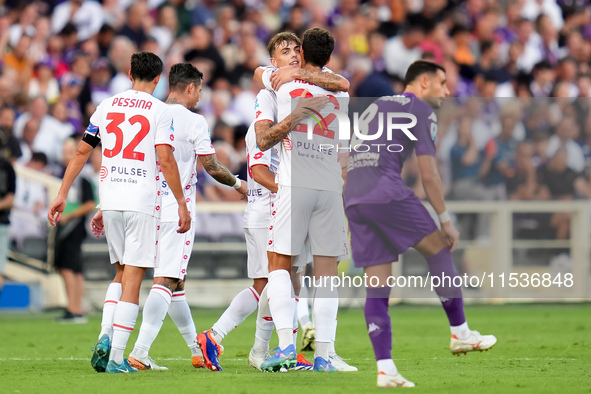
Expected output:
(326, 80)
(220, 173)
(217, 170)
(268, 135)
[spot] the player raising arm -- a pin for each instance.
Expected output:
(136, 133)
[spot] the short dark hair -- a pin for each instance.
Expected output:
(318, 45)
(39, 157)
(419, 68)
(281, 38)
(145, 66)
(182, 75)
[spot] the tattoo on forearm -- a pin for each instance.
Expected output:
(217, 170)
(326, 80)
(267, 136)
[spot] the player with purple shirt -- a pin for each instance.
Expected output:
(386, 218)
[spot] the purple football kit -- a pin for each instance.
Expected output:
(385, 217)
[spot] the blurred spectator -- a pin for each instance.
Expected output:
(7, 190)
(463, 54)
(17, 64)
(407, 50)
(99, 81)
(522, 183)
(543, 79)
(120, 56)
(24, 26)
(59, 111)
(566, 132)
(70, 233)
(9, 145)
(134, 27)
(201, 46)
(71, 86)
(560, 181)
(549, 35)
(499, 157)
(86, 15)
(43, 82)
(465, 163)
(43, 134)
(533, 8)
(29, 217)
(113, 13)
(166, 28)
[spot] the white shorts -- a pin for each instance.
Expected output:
(174, 251)
(306, 257)
(132, 238)
(317, 214)
(256, 248)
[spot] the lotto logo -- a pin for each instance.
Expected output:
(267, 318)
(172, 137)
(270, 242)
(185, 257)
(158, 208)
(183, 271)
(273, 213)
(188, 243)
(158, 193)
(158, 228)
(157, 178)
(271, 228)
(187, 187)
(156, 242)
(188, 200)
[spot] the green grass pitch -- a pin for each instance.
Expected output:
(540, 349)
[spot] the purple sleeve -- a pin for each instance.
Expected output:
(425, 130)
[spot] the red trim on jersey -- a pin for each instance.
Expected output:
(172, 146)
(259, 164)
(207, 154)
(269, 120)
(254, 293)
(178, 295)
(111, 301)
(125, 328)
(163, 289)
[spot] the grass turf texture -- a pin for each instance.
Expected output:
(541, 349)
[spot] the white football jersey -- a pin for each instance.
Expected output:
(191, 139)
(258, 209)
(310, 163)
(130, 125)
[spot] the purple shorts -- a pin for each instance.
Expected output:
(380, 232)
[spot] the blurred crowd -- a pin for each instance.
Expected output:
(59, 59)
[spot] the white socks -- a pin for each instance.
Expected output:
(111, 299)
(154, 313)
(325, 320)
(461, 332)
(282, 305)
(180, 313)
(295, 323)
(387, 366)
(243, 304)
(123, 324)
(303, 308)
(264, 326)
